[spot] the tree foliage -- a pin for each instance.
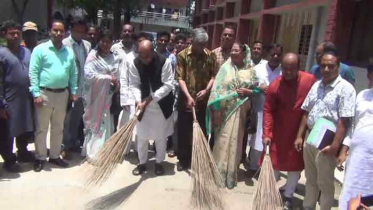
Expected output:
(20, 9)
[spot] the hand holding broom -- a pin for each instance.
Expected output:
(267, 196)
(207, 181)
(112, 153)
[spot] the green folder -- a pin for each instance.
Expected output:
(322, 133)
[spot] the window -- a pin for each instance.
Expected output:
(305, 39)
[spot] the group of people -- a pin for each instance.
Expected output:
(242, 95)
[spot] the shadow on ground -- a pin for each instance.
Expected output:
(119, 197)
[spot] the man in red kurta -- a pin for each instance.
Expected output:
(281, 117)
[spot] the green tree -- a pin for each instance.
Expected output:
(19, 9)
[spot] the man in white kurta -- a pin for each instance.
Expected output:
(266, 73)
(125, 52)
(150, 70)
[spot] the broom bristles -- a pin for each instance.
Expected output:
(111, 153)
(207, 188)
(267, 196)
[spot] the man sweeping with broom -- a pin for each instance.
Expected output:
(282, 112)
(151, 82)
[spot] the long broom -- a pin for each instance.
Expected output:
(207, 182)
(267, 195)
(111, 153)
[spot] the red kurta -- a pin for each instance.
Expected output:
(281, 118)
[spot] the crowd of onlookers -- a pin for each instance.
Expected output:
(81, 88)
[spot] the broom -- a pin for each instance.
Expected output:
(267, 196)
(206, 178)
(111, 153)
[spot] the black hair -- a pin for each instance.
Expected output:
(78, 21)
(272, 46)
(258, 42)
(93, 26)
(163, 33)
(181, 36)
(133, 27)
(242, 46)
(333, 53)
(57, 21)
(230, 26)
(145, 35)
(105, 34)
(8, 24)
(329, 46)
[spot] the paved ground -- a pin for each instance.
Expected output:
(59, 189)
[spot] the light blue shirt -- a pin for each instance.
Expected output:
(52, 68)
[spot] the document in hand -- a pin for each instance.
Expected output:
(322, 133)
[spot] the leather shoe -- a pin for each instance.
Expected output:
(25, 157)
(39, 165)
(12, 167)
(59, 162)
(140, 169)
(288, 204)
(158, 170)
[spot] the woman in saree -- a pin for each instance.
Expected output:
(227, 109)
(359, 146)
(101, 73)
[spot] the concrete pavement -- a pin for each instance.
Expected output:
(59, 189)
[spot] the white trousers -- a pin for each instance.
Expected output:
(160, 145)
(291, 182)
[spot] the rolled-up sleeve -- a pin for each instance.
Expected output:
(167, 81)
(34, 71)
(134, 82)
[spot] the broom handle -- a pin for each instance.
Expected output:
(194, 113)
(138, 112)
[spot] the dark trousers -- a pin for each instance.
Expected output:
(185, 126)
(6, 142)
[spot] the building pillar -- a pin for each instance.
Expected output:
(331, 23)
(339, 25)
(267, 28)
(218, 30)
(243, 31)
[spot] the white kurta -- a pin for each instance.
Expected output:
(359, 168)
(265, 76)
(126, 97)
(153, 124)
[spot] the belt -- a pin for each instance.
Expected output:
(56, 90)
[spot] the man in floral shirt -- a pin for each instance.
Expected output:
(195, 72)
(333, 99)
